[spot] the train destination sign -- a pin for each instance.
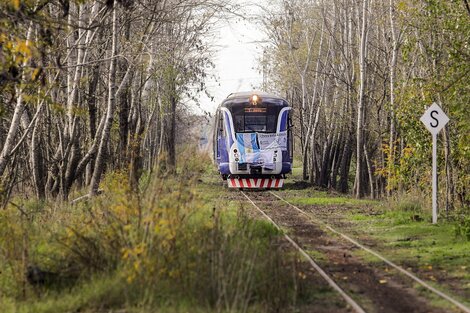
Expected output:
(255, 110)
(434, 119)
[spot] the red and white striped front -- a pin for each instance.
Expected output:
(255, 182)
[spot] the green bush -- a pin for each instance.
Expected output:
(462, 227)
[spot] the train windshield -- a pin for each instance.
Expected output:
(249, 119)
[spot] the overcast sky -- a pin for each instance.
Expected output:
(239, 45)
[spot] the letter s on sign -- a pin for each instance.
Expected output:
(434, 118)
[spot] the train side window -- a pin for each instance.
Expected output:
(220, 123)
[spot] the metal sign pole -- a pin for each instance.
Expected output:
(434, 178)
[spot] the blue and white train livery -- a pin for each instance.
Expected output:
(253, 140)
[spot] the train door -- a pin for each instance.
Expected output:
(220, 137)
(290, 136)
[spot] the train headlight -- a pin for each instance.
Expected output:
(255, 99)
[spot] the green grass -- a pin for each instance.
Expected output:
(98, 292)
(102, 294)
(297, 172)
(408, 238)
(322, 198)
(331, 201)
(420, 241)
(317, 256)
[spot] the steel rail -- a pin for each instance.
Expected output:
(325, 276)
(458, 304)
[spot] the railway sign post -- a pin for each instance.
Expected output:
(434, 119)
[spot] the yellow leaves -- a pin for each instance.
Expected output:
(134, 260)
(69, 233)
(136, 265)
(161, 225)
(302, 275)
(15, 4)
(80, 111)
(57, 108)
(22, 47)
(139, 249)
(35, 73)
(408, 152)
(382, 281)
(3, 39)
(126, 253)
(130, 278)
(16, 50)
(402, 6)
(136, 251)
(120, 211)
(209, 224)
(148, 219)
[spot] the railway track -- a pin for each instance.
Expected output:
(370, 288)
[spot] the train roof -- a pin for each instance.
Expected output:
(243, 97)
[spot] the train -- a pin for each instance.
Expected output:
(253, 143)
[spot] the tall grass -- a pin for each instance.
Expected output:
(159, 247)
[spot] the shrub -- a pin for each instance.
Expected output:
(462, 227)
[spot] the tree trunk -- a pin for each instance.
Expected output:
(450, 189)
(345, 164)
(170, 131)
(361, 103)
(370, 173)
(37, 163)
(17, 114)
(393, 64)
(92, 116)
(101, 156)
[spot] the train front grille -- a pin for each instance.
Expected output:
(255, 170)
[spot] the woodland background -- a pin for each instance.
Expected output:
(95, 86)
(360, 74)
(89, 87)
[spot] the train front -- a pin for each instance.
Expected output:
(253, 146)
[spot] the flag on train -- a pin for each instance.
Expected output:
(248, 147)
(273, 141)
